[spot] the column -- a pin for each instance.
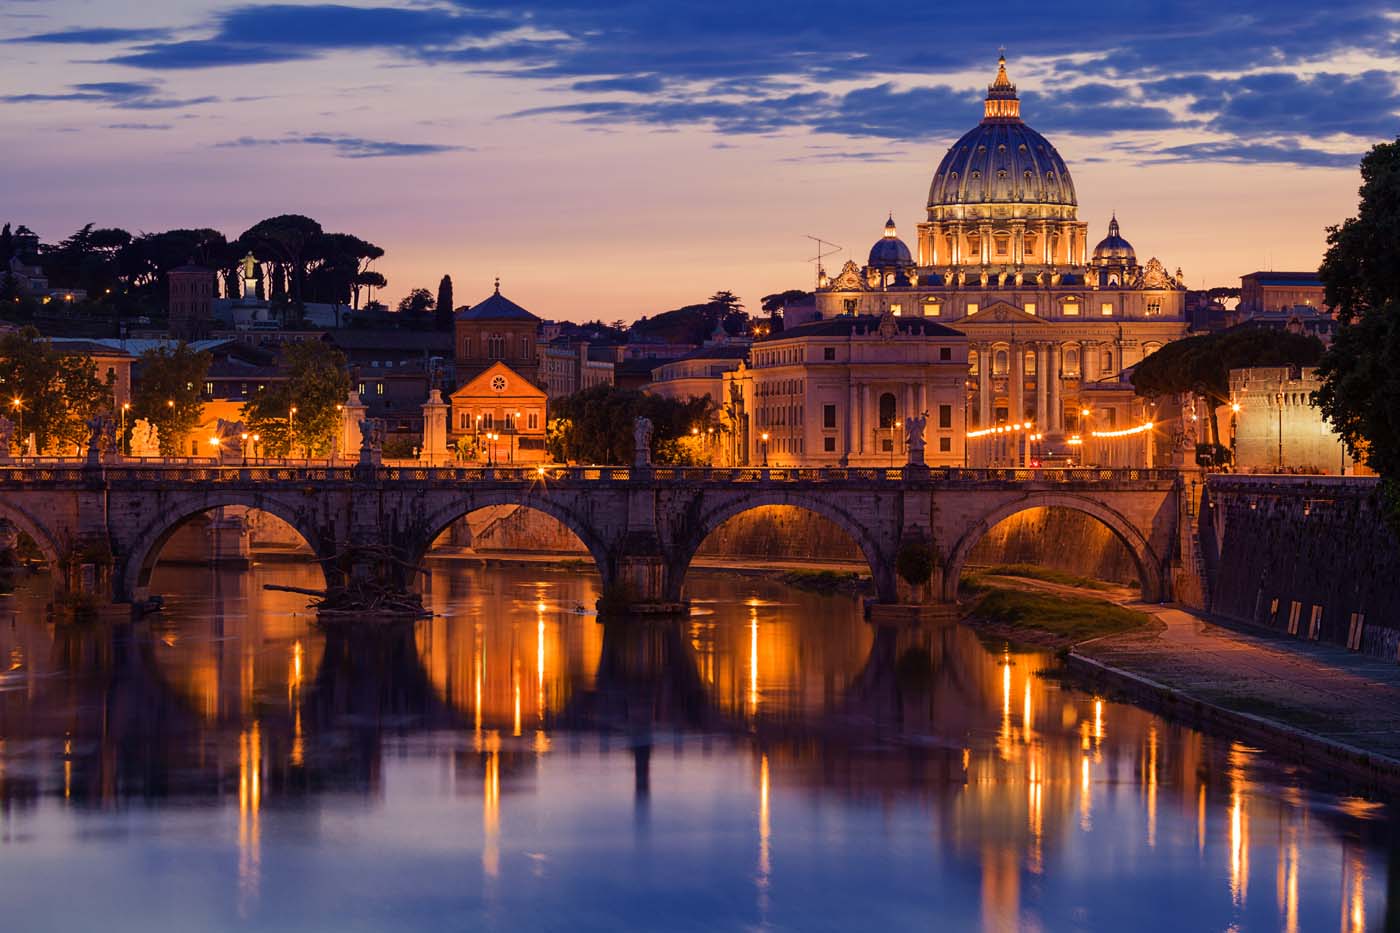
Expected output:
(863, 419)
(1056, 423)
(984, 385)
(1016, 395)
(852, 413)
(921, 398)
(908, 402)
(1088, 361)
(1042, 386)
(984, 242)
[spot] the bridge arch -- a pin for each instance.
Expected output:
(439, 519)
(881, 563)
(1148, 562)
(138, 558)
(32, 527)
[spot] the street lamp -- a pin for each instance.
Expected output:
(244, 446)
(765, 449)
(18, 405)
(126, 406)
(515, 432)
(291, 429)
(1278, 397)
(894, 426)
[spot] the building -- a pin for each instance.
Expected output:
(1004, 258)
(699, 373)
(1277, 428)
(494, 331)
(499, 417)
(837, 392)
(112, 360)
(1280, 291)
(569, 366)
(192, 293)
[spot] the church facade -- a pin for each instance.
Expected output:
(1003, 257)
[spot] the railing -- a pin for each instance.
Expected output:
(149, 472)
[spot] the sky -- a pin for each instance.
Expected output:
(615, 158)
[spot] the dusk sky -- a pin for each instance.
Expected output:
(612, 159)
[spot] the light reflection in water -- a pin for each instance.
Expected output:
(914, 749)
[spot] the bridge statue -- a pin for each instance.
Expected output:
(914, 437)
(641, 438)
(145, 439)
(372, 442)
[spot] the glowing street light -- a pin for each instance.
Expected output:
(126, 406)
(765, 448)
(291, 428)
(17, 404)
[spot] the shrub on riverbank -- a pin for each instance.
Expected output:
(1068, 619)
(1048, 574)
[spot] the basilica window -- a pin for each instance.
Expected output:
(945, 354)
(972, 307)
(1154, 307)
(933, 309)
(1108, 363)
(1029, 307)
(1071, 309)
(1106, 309)
(896, 309)
(1029, 365)
(887, 410)
(1000, 363)
(850, 304)
(1072, 361)
(973, 361)
(945, 416)
(829, 354)
(828, 416)
(495, 347)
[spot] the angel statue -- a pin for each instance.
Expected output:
(641, 438)
(914, 436)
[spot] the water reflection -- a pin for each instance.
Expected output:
(774, 759)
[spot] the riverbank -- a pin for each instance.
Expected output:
(1314, 703)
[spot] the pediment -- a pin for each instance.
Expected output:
(999, 312)
(515, 385)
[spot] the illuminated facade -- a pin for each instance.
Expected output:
(1003, 257)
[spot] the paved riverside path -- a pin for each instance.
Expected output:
(1307, 688)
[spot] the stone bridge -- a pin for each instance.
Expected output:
(102, 526)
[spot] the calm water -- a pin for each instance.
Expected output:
(772, 762)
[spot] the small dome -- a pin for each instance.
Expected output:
(1113, 249)
(890, 250)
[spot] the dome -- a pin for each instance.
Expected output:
(1001, 160)
(1113, 249)
(890, 250)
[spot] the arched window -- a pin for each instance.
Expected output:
(887, 410)
(1108, 362)
(1000, 363)
(1029, 367)
(972, 361)
(1071, 361)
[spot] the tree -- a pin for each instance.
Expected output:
(368, 281)
(1360, 372)
(167, 394)
(53, 392)
(444, 304)
(1201, 365)
(316, 385)
(780, 300)
(287, 243)
(418, 301)
(595, 425)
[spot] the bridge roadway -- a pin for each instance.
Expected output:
(102, 525)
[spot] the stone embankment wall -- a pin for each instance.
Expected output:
(1308, 556)
(1060, 538)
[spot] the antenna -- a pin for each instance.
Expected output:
(822, 253)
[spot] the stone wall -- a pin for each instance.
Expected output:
(1311, 557)
(1060, 538)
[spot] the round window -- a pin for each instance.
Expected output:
(498, 383)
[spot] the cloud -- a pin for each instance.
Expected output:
(348, 147)
(139, 126)
(1289, 152)
(125, 95)
(259, 34)
(96, 36)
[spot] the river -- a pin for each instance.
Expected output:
(774, 761)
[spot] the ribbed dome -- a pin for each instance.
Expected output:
(1001, 160)
(1113, 249)
(890, 250)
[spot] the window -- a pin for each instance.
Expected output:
(850, 304)
(360, 388)
(829, 354)
(465, 421)
(971, 308)
(466, 347)
(1108, 362)
(829, 444)
(1071, 309)
(945, 416)
(509, 421)
(524, 348)
(1154, 307)
(379, 388)
(532, 420)
(1030, 307)
(933, 309)
(488, 420)
(887, 410)
(828, 416)
(208, 388)
(945, 354)
(896, 309)
(1000, 363)
(495, 346)
(1106, 309)
(945, 445)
